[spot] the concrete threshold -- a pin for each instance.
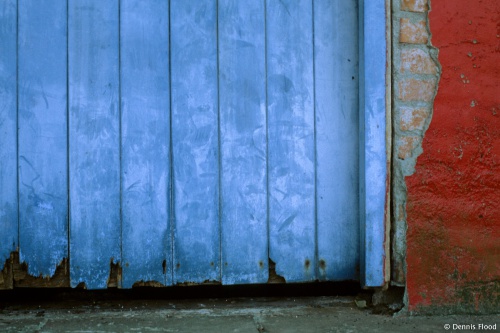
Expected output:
(219, 315)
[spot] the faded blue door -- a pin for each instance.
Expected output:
(189, 141)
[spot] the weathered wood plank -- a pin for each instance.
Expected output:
(195, 140)
(336, 85)
(242, 87)
(43, 156)
(8, 131)
(373, 160)
(290, 91)
(145, 141)
(94, 148)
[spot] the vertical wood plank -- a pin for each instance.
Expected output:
(336, 85)
(8, 130)
(145, 141)
(373, 153)
(94, 141)
(195, 140)
(243, 141)
(291, 138)
(43, 176)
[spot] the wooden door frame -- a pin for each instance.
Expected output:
(375, 141)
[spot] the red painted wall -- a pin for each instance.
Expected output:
(453, 205)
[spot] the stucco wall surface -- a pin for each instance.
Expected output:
(453, 198)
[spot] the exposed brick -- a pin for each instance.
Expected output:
(420, 6)
(413, 33)
(417, 61)
(412, 119)
(417, 90)
(406, 145)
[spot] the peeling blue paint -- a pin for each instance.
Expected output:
(242, 69)
(290, 94)
(201, 139)
(94, 141)
(8, 131)
(43, 196)
(196, 251)
(145, 104)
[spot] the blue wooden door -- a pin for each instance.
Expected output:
(188, 141)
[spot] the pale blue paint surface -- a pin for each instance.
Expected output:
(43, 177)
(242, 72)
(94, 141)
(337, 146)
(290, 89)
(146, 242)
(8, 131)
(372, 138)
(200, 133)
(195, 140)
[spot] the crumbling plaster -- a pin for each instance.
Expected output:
(415, 75)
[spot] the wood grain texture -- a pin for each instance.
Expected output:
(195, 140)
(145, 141)
(290, 89)
(94, 141)
(9, 236)
(337, 143)
(43, 155)
(242, 87)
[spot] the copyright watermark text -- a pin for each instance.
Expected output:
(470, 327)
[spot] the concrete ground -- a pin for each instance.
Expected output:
(252, 315)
